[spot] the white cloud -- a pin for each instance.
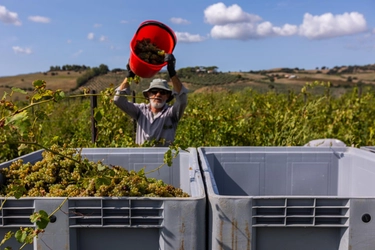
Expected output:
(19, 50)
(286, 30)
(69, 41)
(103, 38)
(373, 31)
(189, 38)
(219, 14)
(245, 31)
(124, 21)
(329, 25)
(7, 16)
(178, 20)
(234, 23)
(39, 19)
(97, 25)
(241, 31)
(90, 36)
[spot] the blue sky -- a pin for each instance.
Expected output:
(237, 35)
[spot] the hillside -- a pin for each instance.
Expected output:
(282, 79)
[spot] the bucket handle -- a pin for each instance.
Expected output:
(161, 25)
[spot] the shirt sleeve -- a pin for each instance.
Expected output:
(122, 102)
(180, 103)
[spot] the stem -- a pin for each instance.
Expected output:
(2, 203)
(31, 105)
(156, 169)
(47, 149)
(58, 208)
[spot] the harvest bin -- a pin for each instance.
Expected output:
(289, 198)
(369, 148)
(123, 222)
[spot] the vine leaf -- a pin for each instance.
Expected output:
(18, 90)
(19, 191)
(17, 117)
(99, 115)
(21, 235)
(39, 84)
(102, 181)
(40, 218)
(101, 167)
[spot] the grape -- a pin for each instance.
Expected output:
(74, 176)
(149, 52)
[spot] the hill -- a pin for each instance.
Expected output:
(281, 79)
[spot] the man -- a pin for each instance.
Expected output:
(156, 121)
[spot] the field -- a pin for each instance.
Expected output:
(280, 80)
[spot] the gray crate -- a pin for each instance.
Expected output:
(369, 148)
(291, 198)
(121, 222)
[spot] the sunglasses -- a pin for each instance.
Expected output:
(160, 91)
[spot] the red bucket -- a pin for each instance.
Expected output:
(159, 34)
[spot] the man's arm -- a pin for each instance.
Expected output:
(120, 99)
(176, 83)
(179, 90)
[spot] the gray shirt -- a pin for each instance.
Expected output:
(160, 126)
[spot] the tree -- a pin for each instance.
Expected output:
(103, 69)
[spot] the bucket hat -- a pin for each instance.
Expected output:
(159, 84)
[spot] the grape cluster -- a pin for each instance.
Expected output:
(63, 172)
(149, 52)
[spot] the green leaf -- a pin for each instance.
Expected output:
(55, 138)
(141, 172)
(101, 167)
(40, 218)
(21, 235)
(37, 97)
(39, 83)
(43, 221)
(18, 90)
(18, 191)
(99, 115)
(17, 117)
(102, 181)
(59, 95)
(18, 236)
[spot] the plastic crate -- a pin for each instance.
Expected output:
(120, 222)
(290, 198)
(369, 148)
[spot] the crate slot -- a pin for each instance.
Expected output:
(333, 213)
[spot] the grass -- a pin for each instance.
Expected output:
(62, 80)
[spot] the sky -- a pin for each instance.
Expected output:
(240, 35)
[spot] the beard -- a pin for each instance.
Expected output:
(157, 105)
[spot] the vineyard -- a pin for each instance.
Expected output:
(212, 118)
(57, 122)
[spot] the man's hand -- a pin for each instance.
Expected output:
(171, 60)
(130, 72)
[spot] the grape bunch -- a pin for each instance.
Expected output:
(63, 172)
(149, 52)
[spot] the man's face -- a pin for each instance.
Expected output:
(158, 97)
